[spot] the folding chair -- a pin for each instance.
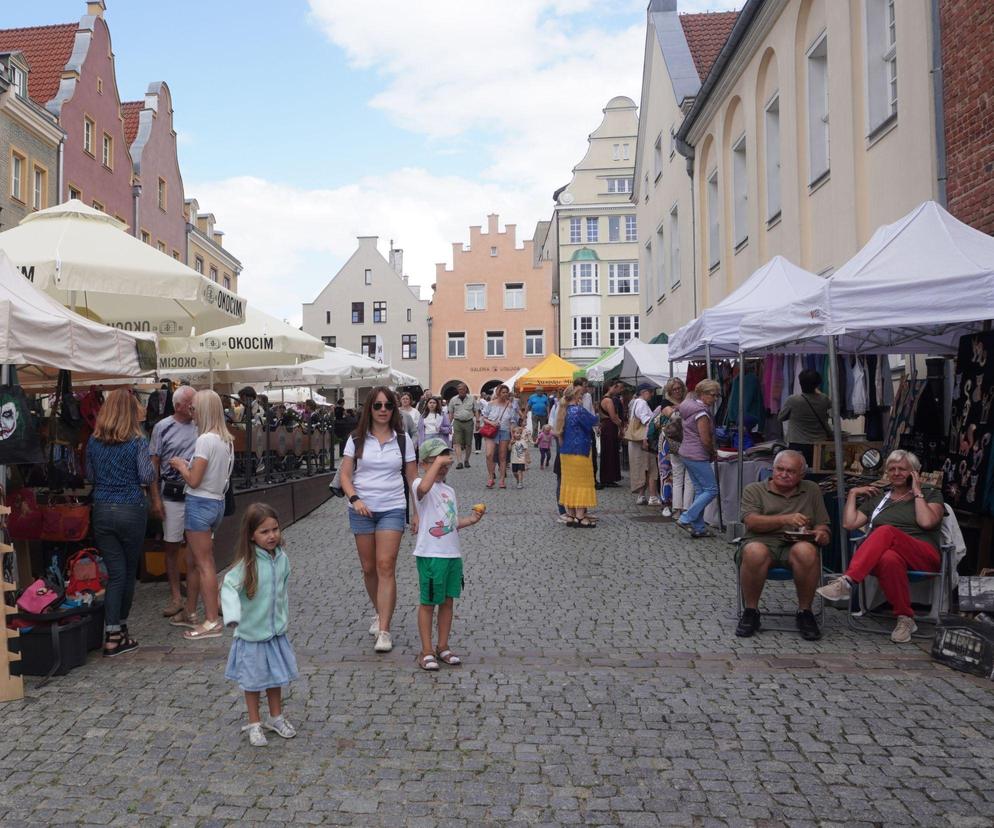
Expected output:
(941, 589)
(782, 621)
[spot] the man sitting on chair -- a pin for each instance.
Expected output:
(784, 503)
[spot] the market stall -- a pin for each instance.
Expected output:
(44, 340)
(551, 372)
(641, 362)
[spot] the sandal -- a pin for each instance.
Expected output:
(450, 658)
(428, 662)
(502, 485)
(586, 523)
(205, 630)
(490, 483)
(181, 619)
(121, 642)
(172, 609)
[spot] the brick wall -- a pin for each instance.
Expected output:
(968, 98)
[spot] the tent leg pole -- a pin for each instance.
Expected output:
(741, 419)
(721, 518)
(840, 477)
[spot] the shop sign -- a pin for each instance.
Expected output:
(28, 272)
(225, 302)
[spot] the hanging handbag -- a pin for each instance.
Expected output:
(65, 522)
(19, 441)
(490, 430)
(25, 518)
(636, 430)
(38, 598)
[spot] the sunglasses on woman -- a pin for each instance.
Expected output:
(377, 406)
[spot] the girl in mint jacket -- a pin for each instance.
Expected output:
(254, 602)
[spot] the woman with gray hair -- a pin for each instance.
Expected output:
(697, 451)
(681, 489)
(904, 527)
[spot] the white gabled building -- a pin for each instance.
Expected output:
(370, 308)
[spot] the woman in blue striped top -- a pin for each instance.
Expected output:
(118, 464)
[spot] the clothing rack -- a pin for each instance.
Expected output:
(11, 686)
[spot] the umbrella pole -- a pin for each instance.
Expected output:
(840, 477)
(741, 419)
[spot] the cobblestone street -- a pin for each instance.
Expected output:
(602, 685)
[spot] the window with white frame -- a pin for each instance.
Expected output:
(674, 247)
(493, 251)
(881, 61)
(38, 187)
(772, 125)
(409, 346)
(619, 185)
(17, 172)
(631, 229)
(534, 343)
(625, 152)
(614, 228)
(107, 152)
(457, 344)
(476, 297)
(657, 156)
(19, 80)
(88, 129)
(592, 228)
(586, 278)
(379, 312)
(514, 296)
(622, 328)
(495, 344)
(659, 262)
(358, 313)
(623, 277)
(586, 331)
(574, 230)
(616, 152)
(672, 141)
(368, 346)
(714, 223)
(818, 152)
(621, 152)
(653, 280)
(368, 276)
(740, 193)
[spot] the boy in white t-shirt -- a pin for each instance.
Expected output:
(437, 550)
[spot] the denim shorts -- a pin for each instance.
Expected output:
(391, 520)
(503, 435)
(203, 514)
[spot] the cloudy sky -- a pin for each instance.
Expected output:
(408, 120)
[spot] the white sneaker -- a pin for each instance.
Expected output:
(521, 485)
(256, 737)
(667, 512)
(837, 590)
(281, 727)
(384, 644)
(641, 500)
(655, 501)
(374, 628)
(903, 630)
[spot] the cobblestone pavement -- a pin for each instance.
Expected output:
(603, 685)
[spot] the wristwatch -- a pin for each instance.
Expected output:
(354, 498)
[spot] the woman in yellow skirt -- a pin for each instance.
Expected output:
(575, 430)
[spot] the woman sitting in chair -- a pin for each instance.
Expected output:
(903, 526)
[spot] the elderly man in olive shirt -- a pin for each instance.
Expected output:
(786, 502)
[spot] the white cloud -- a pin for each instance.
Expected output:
(292, 240)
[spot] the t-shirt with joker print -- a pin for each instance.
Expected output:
(438, 516)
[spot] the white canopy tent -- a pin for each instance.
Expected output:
(41, 336)
(596, 371)
(84, 258)
(261, 340)
(509, 382)
(640, 362)
(716, 331)
(917, 286)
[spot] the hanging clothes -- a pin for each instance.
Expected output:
(857, 395)
(752, 400)
(696, 371)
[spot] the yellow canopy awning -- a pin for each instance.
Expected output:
(551, 372)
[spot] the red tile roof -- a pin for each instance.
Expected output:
(47, 49)
(130, 111)
(706, 34)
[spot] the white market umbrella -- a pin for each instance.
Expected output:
(86, 260)
(41, 336)
(261, 340)
(400, 378)
(715, 333)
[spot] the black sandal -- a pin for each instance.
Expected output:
(586, 523)
(122, 643)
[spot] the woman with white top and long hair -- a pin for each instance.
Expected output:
(207, 477)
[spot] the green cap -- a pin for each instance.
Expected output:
(432, 447)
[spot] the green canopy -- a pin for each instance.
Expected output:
(660, 339)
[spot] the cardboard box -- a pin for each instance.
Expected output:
(824, 456)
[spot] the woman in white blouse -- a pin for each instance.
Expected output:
(502, 412)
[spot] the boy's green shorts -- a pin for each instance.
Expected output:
(440, 579)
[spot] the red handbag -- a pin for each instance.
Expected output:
(64, 522)
(84, 573)
(25, 518)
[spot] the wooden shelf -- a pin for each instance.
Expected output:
(9, 610)
(6, 548)
(6, 586)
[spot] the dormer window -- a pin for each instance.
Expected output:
(18, 79)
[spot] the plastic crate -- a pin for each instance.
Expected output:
(53, 649)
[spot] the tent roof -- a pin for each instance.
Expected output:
(641, 362)
(660, 339)
(776, 282)
(917, 286)
(39, 332)
(552, 371)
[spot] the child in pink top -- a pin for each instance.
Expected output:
(544, 443)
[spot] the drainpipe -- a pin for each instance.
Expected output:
(60, 173)
(136, 192)
(938, 105)
(687, 151)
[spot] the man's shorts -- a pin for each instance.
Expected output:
(778, 546)
(173, 523)
(462, 433)
(440, 579)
